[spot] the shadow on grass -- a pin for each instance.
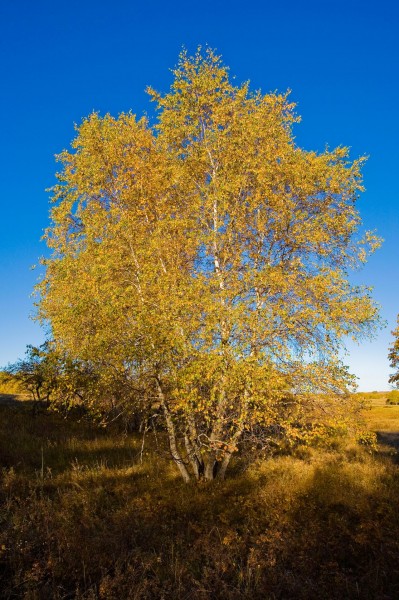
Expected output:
(11, 400)
(339, 544)
(389, 444)
(27, 440)
(389, 438)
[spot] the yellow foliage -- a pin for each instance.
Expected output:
(206, 258)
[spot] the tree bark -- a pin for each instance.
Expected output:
(192, 456)
(172, 435)
(227, 457)
(223, 466)
(209, 471)
(193, 448)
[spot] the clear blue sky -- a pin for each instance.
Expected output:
(61, 60)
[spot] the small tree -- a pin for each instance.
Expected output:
(207, 257)
(394, 357)
(36, 373)
(393, 397)
(62, 383)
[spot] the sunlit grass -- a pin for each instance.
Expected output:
(383, 418)
(9, 386)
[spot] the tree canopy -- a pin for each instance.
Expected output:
(205, 259)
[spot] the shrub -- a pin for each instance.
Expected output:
(393, 397)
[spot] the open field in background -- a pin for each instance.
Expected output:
(383, 418)
(92, 514)
(379, 414)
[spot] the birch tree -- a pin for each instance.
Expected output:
(207, 258)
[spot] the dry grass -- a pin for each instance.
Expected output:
(383, 418)
(9, 385)
(85, 514)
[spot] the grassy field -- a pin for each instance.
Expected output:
(92, 514)
(383, 418)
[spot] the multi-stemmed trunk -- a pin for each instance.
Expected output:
(205, 465)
